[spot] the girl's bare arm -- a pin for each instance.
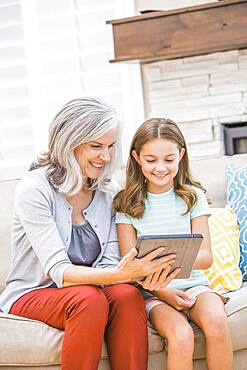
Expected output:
(204, 258)
(126, 238)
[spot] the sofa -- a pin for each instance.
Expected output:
(28, 344)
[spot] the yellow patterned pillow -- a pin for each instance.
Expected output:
(224, 275)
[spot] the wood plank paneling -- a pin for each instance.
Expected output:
(180, 33)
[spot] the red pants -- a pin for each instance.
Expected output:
(86, 313)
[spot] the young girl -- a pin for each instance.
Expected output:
(161, 197)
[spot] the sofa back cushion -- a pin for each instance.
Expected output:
(211, 173)
(7, 189)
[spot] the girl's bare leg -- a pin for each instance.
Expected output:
(173, 325)
(209, 314)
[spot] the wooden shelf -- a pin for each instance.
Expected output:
(184, 32)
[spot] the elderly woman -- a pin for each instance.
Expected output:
(66, 269)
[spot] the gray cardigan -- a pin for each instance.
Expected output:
(41, 233)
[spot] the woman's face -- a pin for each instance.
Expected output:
(93, 155)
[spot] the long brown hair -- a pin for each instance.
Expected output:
(131, 200)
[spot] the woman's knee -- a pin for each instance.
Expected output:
(126, 303)
(88, 299)
(125, 293)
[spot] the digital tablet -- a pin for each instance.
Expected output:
(185, 246)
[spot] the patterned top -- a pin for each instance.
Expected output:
(164, 215)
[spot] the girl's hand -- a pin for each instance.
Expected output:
(159, 279)
(176, 298)
(132, 268)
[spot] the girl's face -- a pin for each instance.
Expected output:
(159, 160)
(93, 155)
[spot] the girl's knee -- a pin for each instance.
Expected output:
(216, 326)
(183, 334)
(179, 337)
(181, 340)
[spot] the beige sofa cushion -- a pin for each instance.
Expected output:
(25, 341)
(40, 344)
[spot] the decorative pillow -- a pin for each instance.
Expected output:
(237, 200)
(224, 275)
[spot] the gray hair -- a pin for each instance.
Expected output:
(81, 120)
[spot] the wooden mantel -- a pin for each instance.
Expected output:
(184, 32)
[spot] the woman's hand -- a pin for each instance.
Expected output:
(159, 279)
(175, 298)
(132, 268)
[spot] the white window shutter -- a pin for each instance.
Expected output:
(16, 136)
(51, 52)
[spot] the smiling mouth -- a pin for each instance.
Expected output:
(96, 165)
(160, 175)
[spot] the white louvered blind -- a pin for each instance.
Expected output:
(52, 51)
(16, 139)
(76, 46)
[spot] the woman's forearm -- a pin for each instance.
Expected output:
(82, 275)
(128, 269)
